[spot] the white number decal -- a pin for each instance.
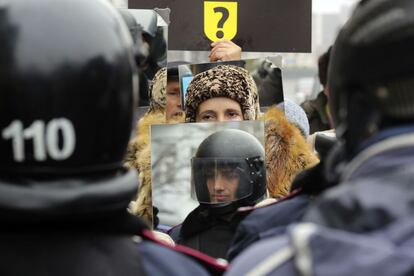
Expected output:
(36, 132)
(14, 132)
(52, 138)
(44, 144)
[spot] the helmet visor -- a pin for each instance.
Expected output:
(220, 180)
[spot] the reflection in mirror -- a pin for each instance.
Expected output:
(201, 174)
(172, 148)
(151, 45)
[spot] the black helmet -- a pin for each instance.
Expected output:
(141, 52)
(154, 36)
(67, 86)
(371, 73)
(136, 31)
(147, 19)
(228, 170)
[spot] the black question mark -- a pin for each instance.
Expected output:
(224, 16)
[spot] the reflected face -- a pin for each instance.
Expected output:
(219, 109)
(222, 185)
(173, 107)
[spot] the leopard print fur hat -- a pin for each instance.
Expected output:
(227, 81)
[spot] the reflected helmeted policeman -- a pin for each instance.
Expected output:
(228, 172)
(150, 45)
(67, 86)
(364, 225)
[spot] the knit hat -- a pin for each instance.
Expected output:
(158, 97)
(223, 81)
(296, 115)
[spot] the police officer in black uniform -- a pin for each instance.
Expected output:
(67, 87)
(228, 172)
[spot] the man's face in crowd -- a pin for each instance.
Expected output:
(219, 109)
(173, 98)
(222, 185)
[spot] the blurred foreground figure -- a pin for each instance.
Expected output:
(67, 86)
(365, 225)
(287, 154)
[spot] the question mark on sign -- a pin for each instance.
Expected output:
(224, 16)
(220, 20)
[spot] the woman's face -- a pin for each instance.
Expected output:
(219, 109)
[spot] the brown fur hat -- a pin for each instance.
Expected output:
(139, 157)
(158, 88)
(287, 153)
(223, 81)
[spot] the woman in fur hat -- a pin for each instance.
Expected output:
(223, 93)
(229, 93)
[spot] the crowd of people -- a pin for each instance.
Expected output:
(76, 189)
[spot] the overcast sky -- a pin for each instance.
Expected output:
(330, 6)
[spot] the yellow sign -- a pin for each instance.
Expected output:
(220, 20)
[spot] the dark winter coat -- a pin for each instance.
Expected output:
(308, 249)
(268, 221)
(364, 226)
(208, 233)
(79, 227)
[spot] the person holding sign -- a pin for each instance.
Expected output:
(228, 172)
